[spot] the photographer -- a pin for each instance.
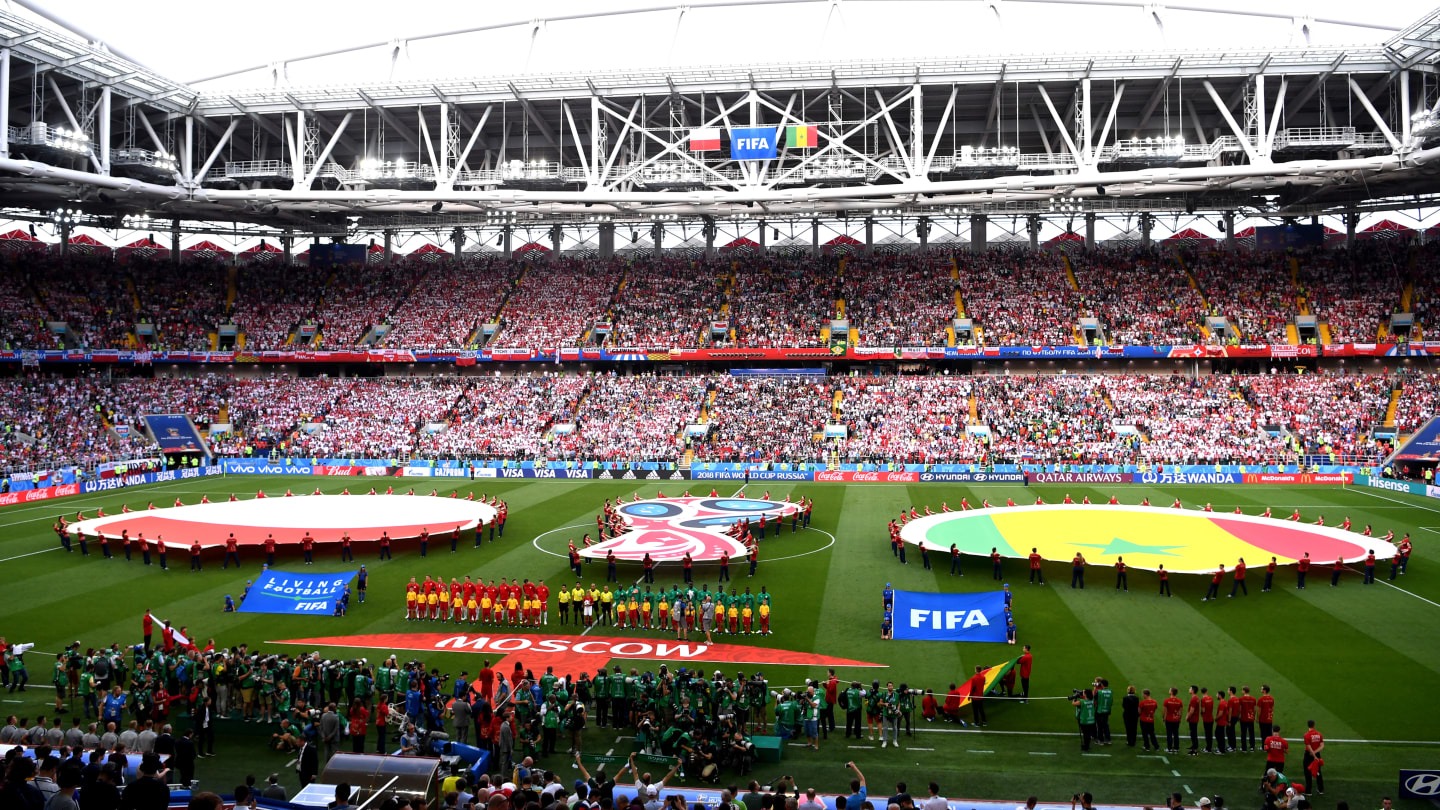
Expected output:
(1084, 702)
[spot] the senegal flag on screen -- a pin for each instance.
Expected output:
(992, 680)
(802, 137)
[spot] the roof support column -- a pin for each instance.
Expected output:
(978, 223)
(1405, 111)
(1032, 224)
(1090, 230)
(869, 236)
(4, 102)
(1230, 230)
(103, 135)
(814, 237)
(1374, 116)
(1087, 124)
(1234, 127)
(1147, 224)
(389, 247)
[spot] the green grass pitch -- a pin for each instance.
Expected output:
(1362, 662)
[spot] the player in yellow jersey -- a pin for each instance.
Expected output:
(487, 608)
(410, 598)
(472, 608)
(563, 597)
(745, 616)
(734, 616)
(512, 609)
(764, 618)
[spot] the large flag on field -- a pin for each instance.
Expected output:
(993, 676)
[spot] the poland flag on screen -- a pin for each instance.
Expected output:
(705, 139)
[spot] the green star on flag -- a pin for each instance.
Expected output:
(1120, 545)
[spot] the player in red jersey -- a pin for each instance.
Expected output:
(1173, 708)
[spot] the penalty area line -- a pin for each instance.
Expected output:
(30, 554)
(1406, 504)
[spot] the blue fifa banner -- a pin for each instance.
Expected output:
(754, 143)
(923, 616)
(279, 592)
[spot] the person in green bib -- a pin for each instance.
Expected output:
(1104, 699)
(1084, 703)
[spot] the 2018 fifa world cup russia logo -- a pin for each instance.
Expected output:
(667, 528)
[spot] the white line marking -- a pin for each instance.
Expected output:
(979, 751)
(1043, 754)
(50, 506)
(31, 554)
(1174, 773)
(913, 748)
(865, 747)
(1187, 787)
(1165, 760)
(1406, 504)
(1088, 754)
(1152, 756)
(1072, 734)
(1379, 580)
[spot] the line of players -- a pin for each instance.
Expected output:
(525, 603)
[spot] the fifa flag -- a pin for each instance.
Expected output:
(924, 616)
(802, 137)
(992, 679)
(304, 594)
(705, 139)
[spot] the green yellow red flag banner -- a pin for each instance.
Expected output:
(993, 676)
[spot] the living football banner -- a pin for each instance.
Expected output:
(922, 616)
(281, 592)
(992, 678)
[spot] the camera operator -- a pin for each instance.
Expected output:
(1084, 702)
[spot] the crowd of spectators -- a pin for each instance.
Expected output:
(508, 417)
(272, 299)
(1419, 401)
(89, 296)
(771, 419)
(1254, 290)
(21, 324)
(900, 300)
(669, 303)
(47, 422)
(916, 420)
(352, 303)
(184, 302)
(782, 302)
(449, 302)
(1354, 290)
(1050, 419)
(380, 418)
(1139, 297)
(1325, 413)
(556, 304)
(638, 417)
(1019, 298)
(1192, 420)
(50, 422)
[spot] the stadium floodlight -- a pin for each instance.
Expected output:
(1147, 151)
(65, 216)
(136, 222)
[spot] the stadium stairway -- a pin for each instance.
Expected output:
(1324, 330)
(232, 288)
(1292, 335)
(1394, 405)
(836, 404)
(974, 409)
(1070, 273)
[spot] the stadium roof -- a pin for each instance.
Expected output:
(581, 112)
(301, 44)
